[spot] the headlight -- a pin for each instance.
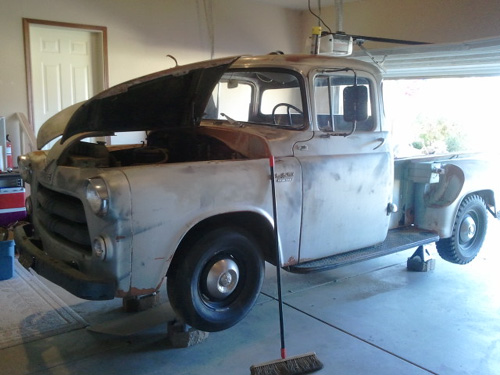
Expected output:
(97, 196)
(99, 247)
(24, 164)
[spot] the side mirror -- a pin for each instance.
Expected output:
(355, 103)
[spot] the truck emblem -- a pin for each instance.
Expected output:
(284, 177)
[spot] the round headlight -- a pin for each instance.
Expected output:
(99, 247)
(97, 196)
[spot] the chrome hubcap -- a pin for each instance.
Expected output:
(222, 278)
(467, 229)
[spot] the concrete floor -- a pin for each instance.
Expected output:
(370, 318)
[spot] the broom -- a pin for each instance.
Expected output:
(299, 364)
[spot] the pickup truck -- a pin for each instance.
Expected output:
(194, 201)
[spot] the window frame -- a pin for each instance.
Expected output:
(347, 73)
(259, 90)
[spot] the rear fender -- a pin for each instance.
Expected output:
(448, 189)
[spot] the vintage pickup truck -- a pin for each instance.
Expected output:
(194, 203)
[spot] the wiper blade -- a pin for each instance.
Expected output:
(232, 121)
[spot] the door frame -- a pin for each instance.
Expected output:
(102, 30)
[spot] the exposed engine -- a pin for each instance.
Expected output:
(160, 147)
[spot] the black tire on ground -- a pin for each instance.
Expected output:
(469, 232)
(215, 280)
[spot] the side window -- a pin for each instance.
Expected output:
(329, 92)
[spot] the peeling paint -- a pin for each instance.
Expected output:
(409, 216)
(138, 292)
(291, 261)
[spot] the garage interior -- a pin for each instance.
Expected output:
(372, 317)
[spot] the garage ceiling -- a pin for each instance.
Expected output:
(472, 58)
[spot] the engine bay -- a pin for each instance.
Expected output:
(173, 146)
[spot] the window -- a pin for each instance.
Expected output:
(329, 103)
(272, 98)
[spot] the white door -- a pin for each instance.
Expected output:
(66, 68)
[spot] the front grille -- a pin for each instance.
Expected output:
(63, 216)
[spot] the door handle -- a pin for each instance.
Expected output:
(381, 140)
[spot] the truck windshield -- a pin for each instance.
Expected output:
(273, 98)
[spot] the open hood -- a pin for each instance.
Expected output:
(172, 98)
(54, 126)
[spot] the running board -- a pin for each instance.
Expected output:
(397, 240)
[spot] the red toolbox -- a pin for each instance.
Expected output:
(12, 196)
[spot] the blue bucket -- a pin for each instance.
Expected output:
(6, 259)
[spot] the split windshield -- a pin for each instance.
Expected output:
(263, 97)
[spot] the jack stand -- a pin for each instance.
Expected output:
(136, 304)
(421, 260)
(180, 335)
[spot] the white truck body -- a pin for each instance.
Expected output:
(114, 221)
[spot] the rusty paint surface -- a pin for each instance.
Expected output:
(291, 261)
(138, 292)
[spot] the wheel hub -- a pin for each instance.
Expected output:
(467, 229)
(222, 278)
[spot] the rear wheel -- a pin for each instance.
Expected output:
(469, 232)
(215, 280)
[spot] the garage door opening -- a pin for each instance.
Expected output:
(442, 115)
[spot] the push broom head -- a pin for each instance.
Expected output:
(297, 365)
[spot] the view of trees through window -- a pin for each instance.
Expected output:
(443, 115)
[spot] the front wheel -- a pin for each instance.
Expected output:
(215, 280)
(469, 232)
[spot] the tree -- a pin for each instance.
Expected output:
(439, 136)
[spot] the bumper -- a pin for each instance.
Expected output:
(60, 273)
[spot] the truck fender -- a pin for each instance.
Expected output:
(255, 223)
(441, 201)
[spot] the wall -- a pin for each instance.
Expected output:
(141, 33)
(436, 21)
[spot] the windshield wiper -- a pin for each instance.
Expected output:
(232, 121)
